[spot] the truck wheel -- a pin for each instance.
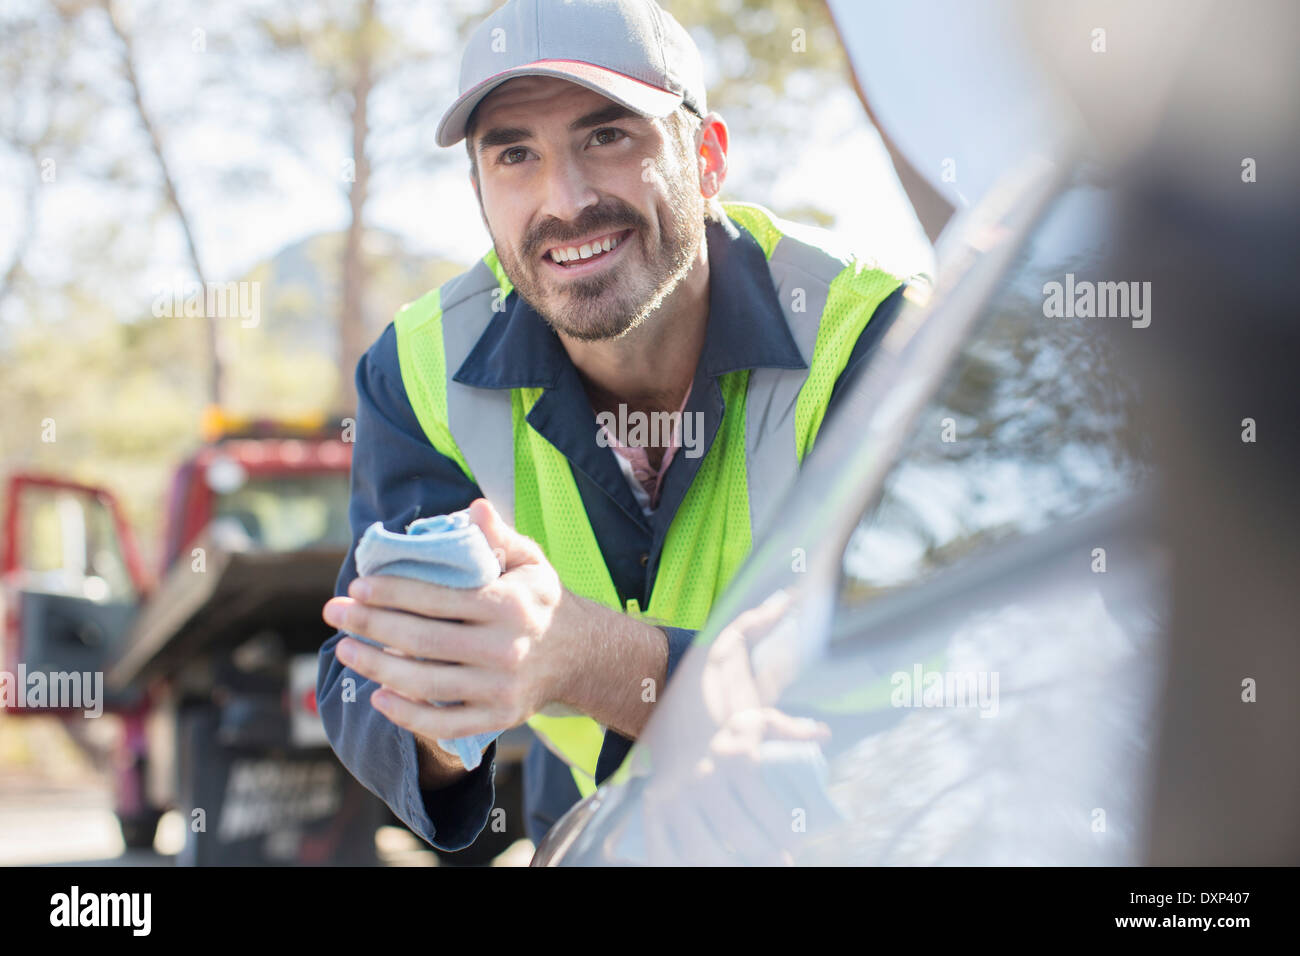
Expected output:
(138, 831)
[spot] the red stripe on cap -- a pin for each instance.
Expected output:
(560, 65)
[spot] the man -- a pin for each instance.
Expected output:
(619, 290)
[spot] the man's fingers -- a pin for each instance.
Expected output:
(434, 723)
(782, 726)
(767, 613)
(511, 547)
(412, 635)
(420, 680)
(757, 621)
(421, 597)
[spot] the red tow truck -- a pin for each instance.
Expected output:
(212, 665)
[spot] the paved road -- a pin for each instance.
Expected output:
(56, 807)
(43, 824)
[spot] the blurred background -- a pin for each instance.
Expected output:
(175, 480)
(148, 146)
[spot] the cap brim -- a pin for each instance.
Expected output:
(636, 95)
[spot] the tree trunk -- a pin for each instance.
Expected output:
(352, 327)
(215, 376)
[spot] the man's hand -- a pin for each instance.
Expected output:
(505, 650)
(710, 800)
(492, 647)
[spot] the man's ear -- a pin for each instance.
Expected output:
(713, 139)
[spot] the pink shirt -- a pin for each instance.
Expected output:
(646, 482)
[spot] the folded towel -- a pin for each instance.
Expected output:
(449, 550)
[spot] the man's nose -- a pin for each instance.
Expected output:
(568, 192)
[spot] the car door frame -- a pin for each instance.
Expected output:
(12, 568)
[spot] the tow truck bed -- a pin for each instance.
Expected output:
(236, 594)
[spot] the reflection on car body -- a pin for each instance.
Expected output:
(999, 493)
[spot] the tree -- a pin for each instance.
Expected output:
(173, 199)
(347, 57)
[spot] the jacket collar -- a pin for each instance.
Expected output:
(746, 329)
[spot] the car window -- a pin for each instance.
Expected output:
(1032, 426)
(70, 546)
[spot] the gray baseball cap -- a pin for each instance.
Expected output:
(631, 51)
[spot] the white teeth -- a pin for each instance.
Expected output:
(562, 256)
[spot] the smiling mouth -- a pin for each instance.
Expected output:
(588, 250)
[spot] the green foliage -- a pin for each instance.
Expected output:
(768, 64)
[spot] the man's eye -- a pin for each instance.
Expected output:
(603, 137)
(513, 156)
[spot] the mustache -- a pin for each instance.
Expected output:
(606, 218)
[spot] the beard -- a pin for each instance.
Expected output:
(617, 300)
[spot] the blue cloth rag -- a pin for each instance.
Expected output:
(449, 550)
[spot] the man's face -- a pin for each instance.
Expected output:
(564, 173)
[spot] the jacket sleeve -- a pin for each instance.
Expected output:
(397, 476)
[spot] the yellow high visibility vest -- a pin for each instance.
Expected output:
(770, 422)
